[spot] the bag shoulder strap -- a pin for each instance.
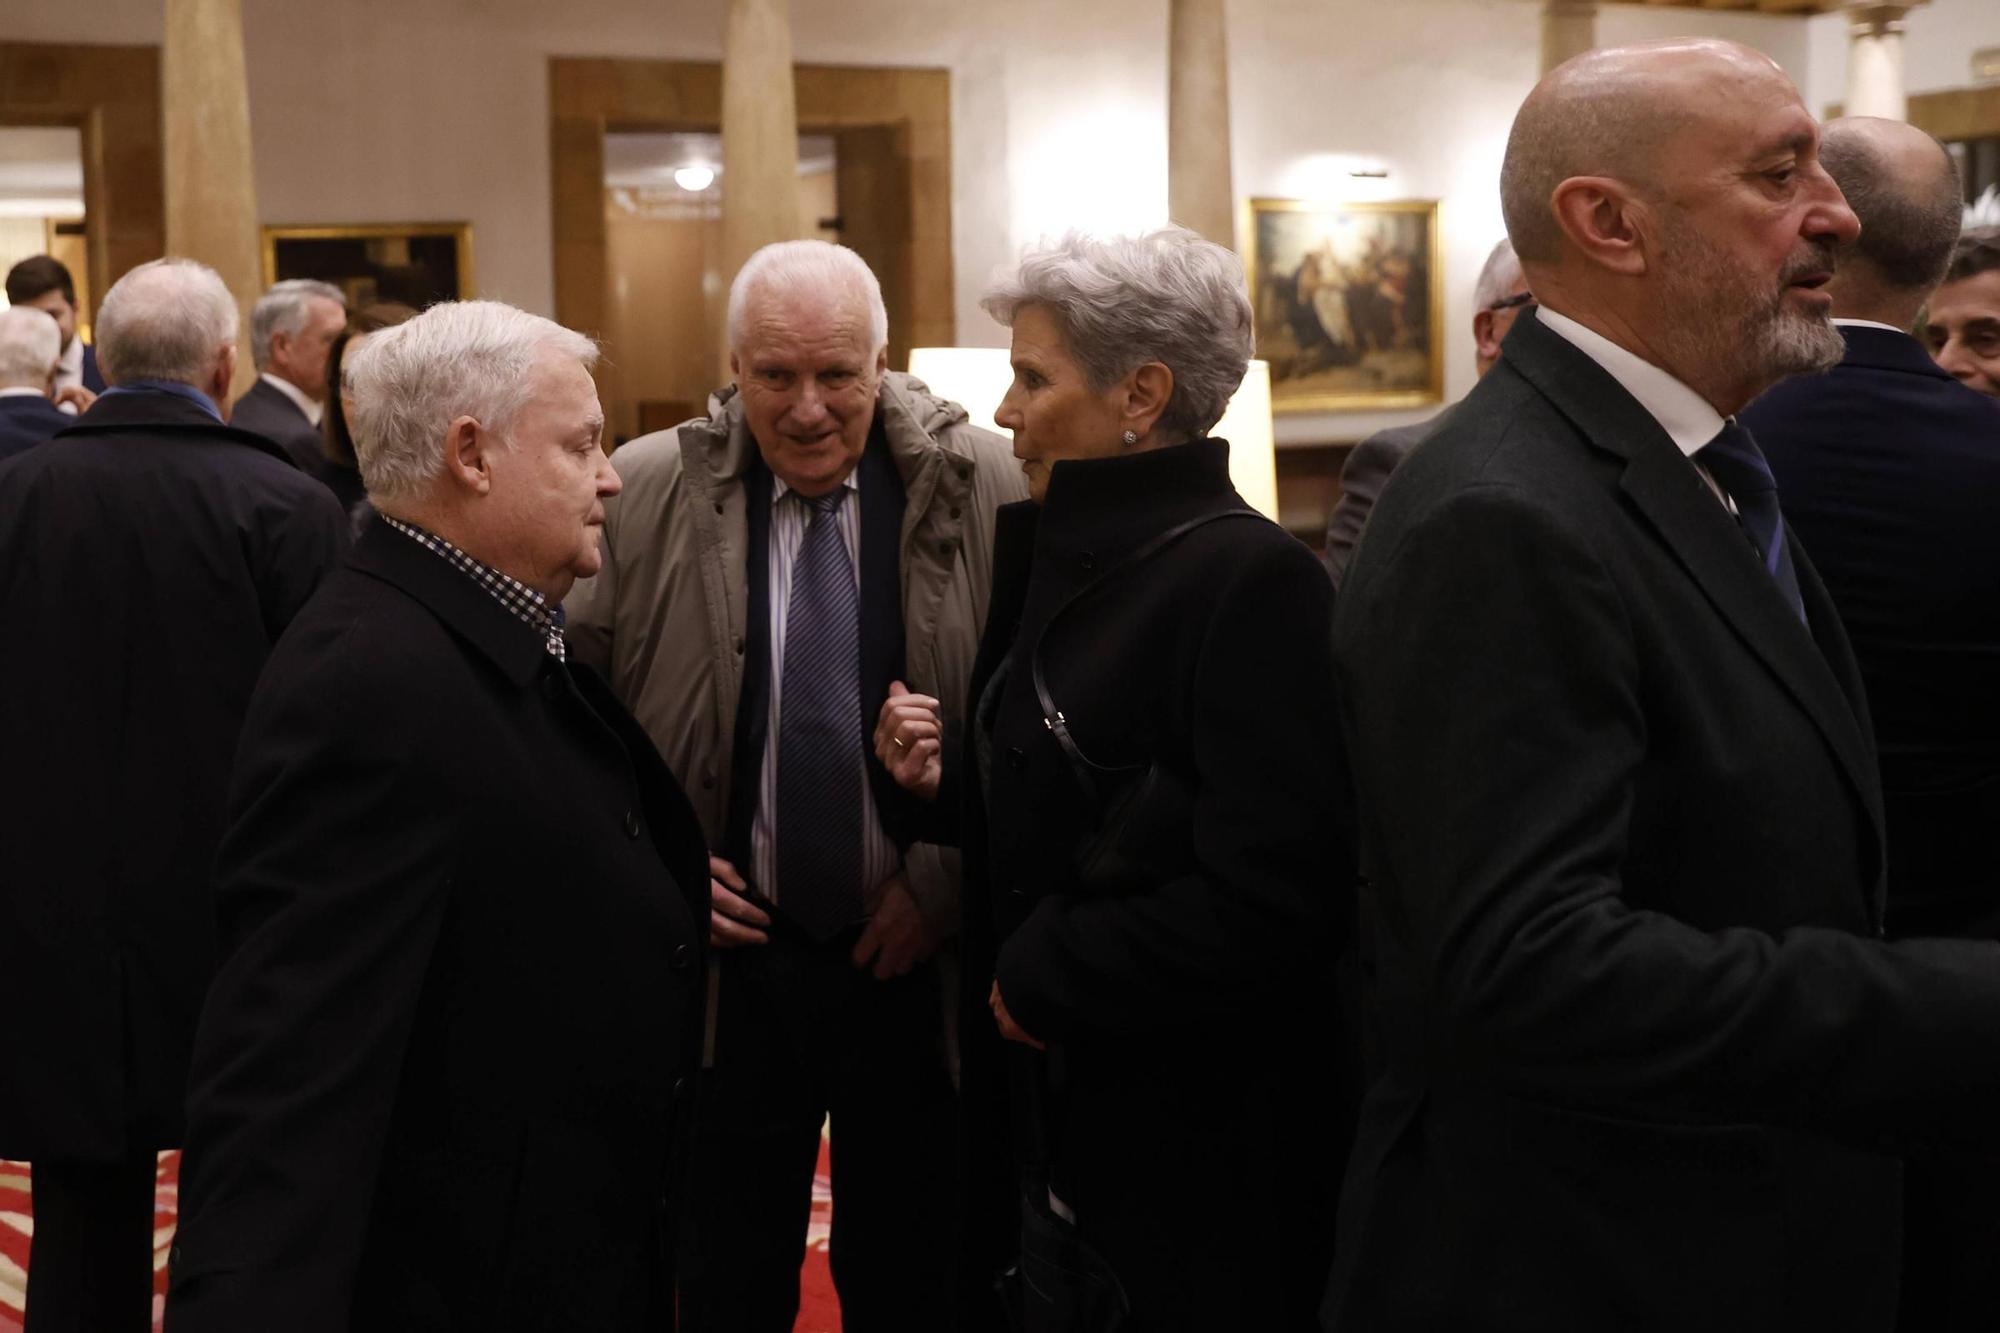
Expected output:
(1052, 716)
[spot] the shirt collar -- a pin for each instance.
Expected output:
(308, 405)
(528, 606)
(23, 391)
(175, 387)
(779, 490)
(1868, 324)
(1688, 418)
(69, 366)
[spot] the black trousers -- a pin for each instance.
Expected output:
(802, 1035)
(90, 1261)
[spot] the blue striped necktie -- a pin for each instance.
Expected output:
(818, 821)
(1738, 466)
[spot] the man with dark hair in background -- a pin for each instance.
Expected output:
(1962, 328)
(1890, 475)
(42, 281)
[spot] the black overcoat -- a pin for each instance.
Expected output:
(1197, 1125)
(149, 559)
(1621, 839)
(443, 1079)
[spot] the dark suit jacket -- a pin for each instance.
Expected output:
(1193, 1020)
(443, 1078)
(1621, 832)
(149, 559)
(1362, 478)
(265, 410)
(1889, 472)
(93, 378)
(25, 422)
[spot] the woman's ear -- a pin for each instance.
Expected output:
(1148, 390)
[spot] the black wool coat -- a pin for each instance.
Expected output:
(444, 1078)
(1197, 1118)
(1643, 1050)
(149, 559)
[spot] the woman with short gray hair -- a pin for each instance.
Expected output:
(1156, 875)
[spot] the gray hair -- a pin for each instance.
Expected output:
(1499, 278)
(30, 343)
(167, 319)
(819, 267)
(282, 309)
(457, 359)
(1166, 296)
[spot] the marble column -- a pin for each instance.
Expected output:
(1875, 61)
(760, 136)
(211, 189)
(1200, 192)
(1569, 28)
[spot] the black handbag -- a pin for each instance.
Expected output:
(1143, 831)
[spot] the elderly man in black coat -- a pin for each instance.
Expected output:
(442, 1078)
(30, 343)
(149, 560)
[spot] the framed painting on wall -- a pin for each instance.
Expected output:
(417, 263)
(1348, 303)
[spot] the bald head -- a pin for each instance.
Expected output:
(1904, 187)
(1614, 113)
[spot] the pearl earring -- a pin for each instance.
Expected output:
(1131, 437)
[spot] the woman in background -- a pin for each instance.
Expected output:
(341, 473)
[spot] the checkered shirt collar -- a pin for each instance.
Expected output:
(527, 605)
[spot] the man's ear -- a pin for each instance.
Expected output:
(224, 376)
(1605, 221)
(1147, 392)
(468, 454)
(735, 370)
(1482, 335)
(882, 361)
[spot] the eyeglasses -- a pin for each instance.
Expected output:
(1508, 303)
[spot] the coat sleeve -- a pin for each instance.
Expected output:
(305, 545)
(1362, 478)
(1497, 732)
(331, 886)
(1270, 895)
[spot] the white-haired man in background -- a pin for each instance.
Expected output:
(292, 328)
(148, 561)
(30, 349)
(773, 573)
(443, 1079)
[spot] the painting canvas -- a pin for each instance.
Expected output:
(418, 264)
(1347, 301)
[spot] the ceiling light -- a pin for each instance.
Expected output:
(694, 179)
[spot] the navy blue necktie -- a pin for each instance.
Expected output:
(819, 731)
(1738, 466)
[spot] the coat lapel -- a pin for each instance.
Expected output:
(1673, 499)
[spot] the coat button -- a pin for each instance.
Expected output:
(718, 506)
(680, 1089)
(552, 686)
(173, 1256)
(946, 547)
(681, 956)
(739, 645)
(708, 782)
(1016, 757)
(631, 823)
(965, 474)
(1088, 560)
(956, 511)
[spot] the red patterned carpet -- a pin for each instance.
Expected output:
(819, 1311)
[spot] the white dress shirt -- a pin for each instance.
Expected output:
(69, 372)
(308, 405)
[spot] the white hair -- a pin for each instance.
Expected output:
(1498, 278)
(167, 319)
(1166, 296)
(282, 309)
(457, 359)
(30, 343)
(818, 267)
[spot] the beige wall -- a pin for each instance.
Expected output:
(407, 110)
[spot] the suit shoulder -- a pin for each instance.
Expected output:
(365, 652)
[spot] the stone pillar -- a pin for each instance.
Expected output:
(760, 136)
(1201, 194)
(1875, 61)
(1569, 28)
(211, 191)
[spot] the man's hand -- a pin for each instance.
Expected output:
(909, 740)
(76, 394)
(732, 920)
(1008, 1027)
(896, 938)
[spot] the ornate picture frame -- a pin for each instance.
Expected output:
(416, 263)
(1349, 303)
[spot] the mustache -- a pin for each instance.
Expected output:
(1818, 257)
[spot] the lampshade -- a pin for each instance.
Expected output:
(977, 378)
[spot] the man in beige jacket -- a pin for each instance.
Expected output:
(774, 574)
